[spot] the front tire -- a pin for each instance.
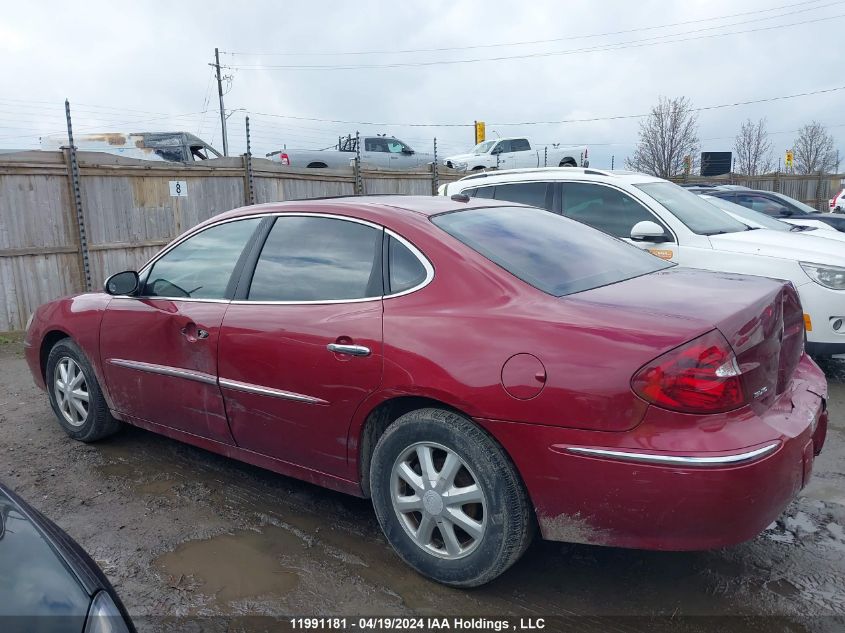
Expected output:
(448, 498)
(75, 394)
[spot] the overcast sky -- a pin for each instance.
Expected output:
(143, 66)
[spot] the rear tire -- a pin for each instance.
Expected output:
(465, 518)
(75, 394)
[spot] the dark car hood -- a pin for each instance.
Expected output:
(38, 590)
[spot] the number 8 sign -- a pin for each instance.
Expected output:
(178, 189)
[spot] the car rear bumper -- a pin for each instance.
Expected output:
(642, 489)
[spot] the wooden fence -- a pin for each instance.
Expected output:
(129, 213)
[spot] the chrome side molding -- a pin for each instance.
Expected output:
(675, 460)
(165, 370)
(269, 391)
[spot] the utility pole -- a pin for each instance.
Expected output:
(216, 65)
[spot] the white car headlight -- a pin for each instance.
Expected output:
(832, 277)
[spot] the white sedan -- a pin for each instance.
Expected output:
(677, 225)
(758, 220)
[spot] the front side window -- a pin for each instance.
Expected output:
(763, 204)
(698, 215)
(395, 147)
(318, 259)
(604, 208)
(480, 192)
(552, 253)
(530, 193)
(405, 270)
(200, 267)
(502, 147)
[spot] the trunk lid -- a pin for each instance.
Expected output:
(761, 319)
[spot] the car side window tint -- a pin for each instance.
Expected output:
(604, 208)
(200, 267)
(531, 193)
(480, 192)
(404, 268)
(318, 259)
(520, 145)
(762, 204)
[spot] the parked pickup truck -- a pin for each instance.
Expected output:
(510, 153)
(383, 152)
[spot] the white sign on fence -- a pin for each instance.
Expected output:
(178, 189)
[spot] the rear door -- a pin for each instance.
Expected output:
(301, 345)
(535, 194)
(522, 154)
(159, 349)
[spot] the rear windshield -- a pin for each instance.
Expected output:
(698, 215)
(552, 253)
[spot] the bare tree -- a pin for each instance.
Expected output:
(667, 135)
(753, 148)
(813, 150)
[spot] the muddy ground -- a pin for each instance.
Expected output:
(182, 532)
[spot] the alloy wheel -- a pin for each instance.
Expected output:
(438, 500)
(71, 391)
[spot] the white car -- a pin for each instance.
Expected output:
(758, 220)
(677, 225)
(509, 153)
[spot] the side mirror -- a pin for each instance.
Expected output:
(125, 283)
(648, 231)
(407, 150)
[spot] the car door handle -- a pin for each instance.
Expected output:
(352, 350)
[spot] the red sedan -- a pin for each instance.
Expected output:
(478, 369)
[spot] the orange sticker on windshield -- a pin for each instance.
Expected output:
(662, 253)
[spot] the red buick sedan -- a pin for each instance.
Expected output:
(478, 369)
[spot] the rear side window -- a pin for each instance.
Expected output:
(530, 193)
(200, 266)
(552, 253)
(520, 145)
(604, 208)
(405, 270)
(480, 192)
(318, 259)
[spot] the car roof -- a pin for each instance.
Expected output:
(372, 206)
(556, 173)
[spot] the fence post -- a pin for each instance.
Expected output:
(76, 193)
(249, 189)
(435, 176)
(359, 181)
(546, 156)
(819, 197)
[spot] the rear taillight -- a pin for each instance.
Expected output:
(701, 376)
(284, 159)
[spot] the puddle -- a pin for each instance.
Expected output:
(233, 567)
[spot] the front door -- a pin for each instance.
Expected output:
(159, 349)
(615, 212)
(301, 346)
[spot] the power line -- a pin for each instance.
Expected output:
(588, 120)
(572, 51)
(534, 42)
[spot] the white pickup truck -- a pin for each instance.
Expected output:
(510, 153)
(381, 152)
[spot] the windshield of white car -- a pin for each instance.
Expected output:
(806, 208)
(744, 213)
(482, 148)
(698, 215)
(554, 254)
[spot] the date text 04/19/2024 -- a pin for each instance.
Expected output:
(417, 624)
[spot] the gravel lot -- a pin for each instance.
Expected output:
(182, 532)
